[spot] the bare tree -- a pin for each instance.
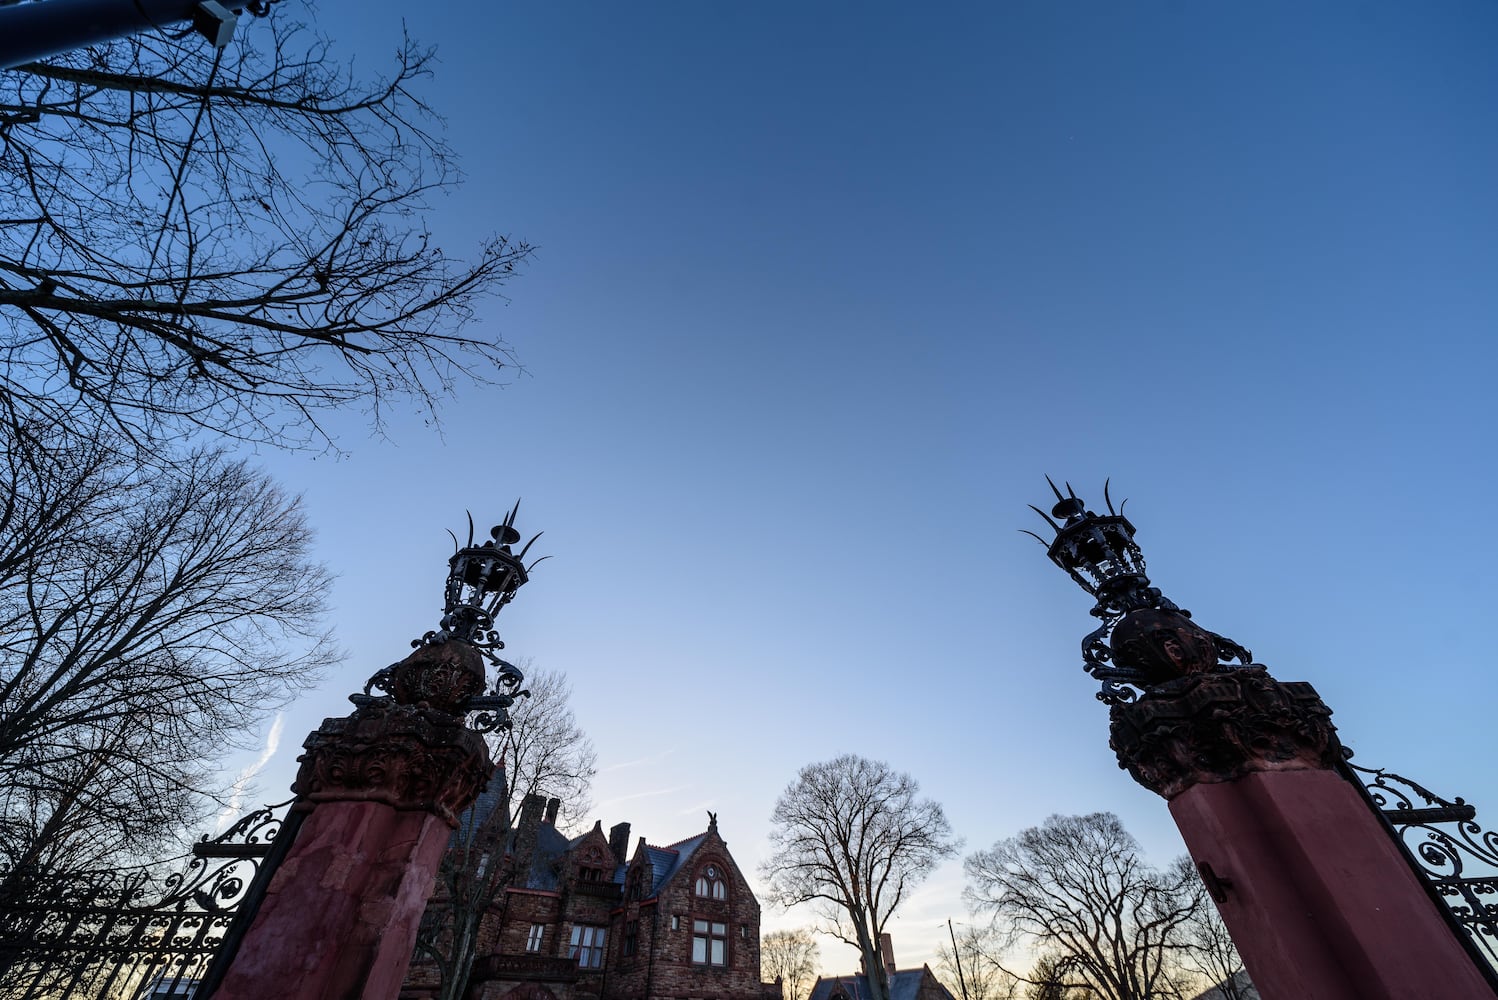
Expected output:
(471, 876)
(1077, 889)
(851, 836)
(1212, 953)
(151, 613)
(543, 752)
(229, 239)
(971, 969)
(1052, 978)
(793, 958)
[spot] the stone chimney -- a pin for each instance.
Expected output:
(619, 843)
(552, 805)
(887, 953)
(527, 830)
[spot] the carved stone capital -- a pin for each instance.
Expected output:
(405, 756)
(1209, 728)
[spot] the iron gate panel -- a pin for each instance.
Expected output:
(1457, 859)
(130, 934)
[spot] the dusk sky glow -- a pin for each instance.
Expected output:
(824, 292)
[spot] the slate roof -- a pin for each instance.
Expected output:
(550, 846)
(903, 985)
(489, 800)
(667, 861)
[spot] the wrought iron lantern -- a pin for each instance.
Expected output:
(1099, 553)
(1144, 638)
(481, 579)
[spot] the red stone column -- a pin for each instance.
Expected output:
(1318, 898)
(383, 788)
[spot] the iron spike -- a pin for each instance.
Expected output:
(1042, 541)
(1071, 492)
(529, 544)
(1044, 515)
(537, 563)
(470, 527)
(1106, 498)
(454, 537)
(1054, 490)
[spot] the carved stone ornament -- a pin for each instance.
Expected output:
(1214, 727)
(1163, 645)
(404, 756)
(410, 749)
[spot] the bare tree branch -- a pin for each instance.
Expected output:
(229, 241)
(851, 836)
(792, 957)
(1076, 889)
(151, 613)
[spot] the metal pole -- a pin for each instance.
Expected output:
(961, 981)
(35, 30)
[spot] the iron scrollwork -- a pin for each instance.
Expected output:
(1457, 858)
(1145, 638)
(481, 580)
(125, 932)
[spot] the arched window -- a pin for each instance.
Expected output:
(711, 884)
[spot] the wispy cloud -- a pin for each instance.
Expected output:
(231, 809)
(642, 795)
(652, 759)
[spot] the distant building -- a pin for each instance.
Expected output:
(904, 984)
(1240, 987)
(584, 919)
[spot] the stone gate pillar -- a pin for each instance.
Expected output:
(1315, 893)
(1318, 897)
(382, 789)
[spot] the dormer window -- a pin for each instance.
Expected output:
(710, 883)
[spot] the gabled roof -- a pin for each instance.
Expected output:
(903, 985)
(667, 861)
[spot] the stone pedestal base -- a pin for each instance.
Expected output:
(339, 919)
(1316, 895)
(384, 787)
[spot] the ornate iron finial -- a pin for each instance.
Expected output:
(1145, 639)
(481, 580)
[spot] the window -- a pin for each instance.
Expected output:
(631, 937)
(709, 943)
(676, 923)
(710, 883)
(587, 946)
(533, 940)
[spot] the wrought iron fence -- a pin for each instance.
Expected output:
(132, 934)
(1457, 859)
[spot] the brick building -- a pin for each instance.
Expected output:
(586, 918)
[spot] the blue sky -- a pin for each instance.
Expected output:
(824, 291)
